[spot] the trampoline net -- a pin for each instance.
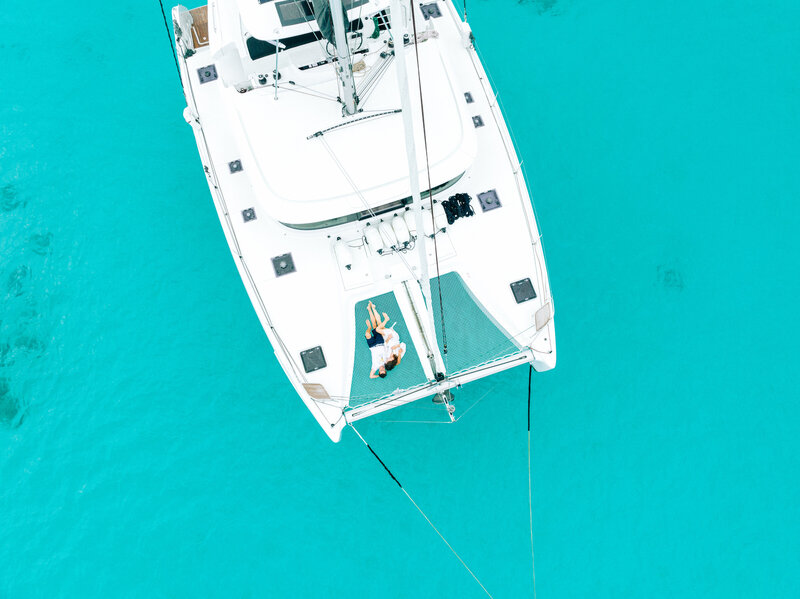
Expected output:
(472, 336)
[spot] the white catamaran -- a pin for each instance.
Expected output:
(356, 153)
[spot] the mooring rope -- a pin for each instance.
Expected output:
(530, 495)
(414, 503)
(171, 45)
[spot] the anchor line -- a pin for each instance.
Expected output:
(171, 45)
(530, 495)
(419, 509)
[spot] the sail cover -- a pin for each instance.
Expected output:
(322, 14)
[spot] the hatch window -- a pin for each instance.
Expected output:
(365, 214)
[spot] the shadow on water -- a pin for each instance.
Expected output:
(544, 7)
(670, 277)
(40, 243)
(17, 280)
(21, 341)
(11, 412)
(10, 198)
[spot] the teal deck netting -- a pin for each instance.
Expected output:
(406, 375)
(472, 336)
(473, 339)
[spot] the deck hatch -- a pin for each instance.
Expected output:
(207, 74)
(489, 200)
(249, 214)
(235, 166)
(283, 265)
(313, 359)
(477, 121)
(430, 11)
(523, 290)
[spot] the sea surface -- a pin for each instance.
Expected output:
(150, 446)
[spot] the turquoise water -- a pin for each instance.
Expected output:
(149, 445)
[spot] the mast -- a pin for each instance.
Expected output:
(399, 32)
(344, 66)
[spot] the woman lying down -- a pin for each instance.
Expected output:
(384, 344)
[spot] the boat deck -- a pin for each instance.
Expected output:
(199, 26)
(410, 373)
(489, 251)
(473, 338)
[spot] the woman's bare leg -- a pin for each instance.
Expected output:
(373, 314)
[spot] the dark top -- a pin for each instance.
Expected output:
(376, 339)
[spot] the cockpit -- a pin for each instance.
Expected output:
(244, 32)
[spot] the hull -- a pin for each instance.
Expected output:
(309, 279)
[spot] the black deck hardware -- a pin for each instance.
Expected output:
(249, 214)
(313, 359)
(477, 121)
(430, 11)
(523, 290)
(489, 200)
(235, 166)
(207, 74)
(457, 206)
(468, 97)
(283, 265)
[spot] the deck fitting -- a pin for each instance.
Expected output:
(523, 290)
(249, 214)
(489, 200)
(430, 11)
(235, 166)
(207, 74)
(313, 359)
(283, 265)
(477, 121)
(468, 97)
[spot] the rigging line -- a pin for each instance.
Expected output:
(314, 91)
(171, 45)
(477, 402)
(313, 95)
(439, 409)
(361, 196)
(373, 78)
(389, 472)
(416, 421)
(530, 495)
(317, 38)
(430, 186)
(352, 122)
